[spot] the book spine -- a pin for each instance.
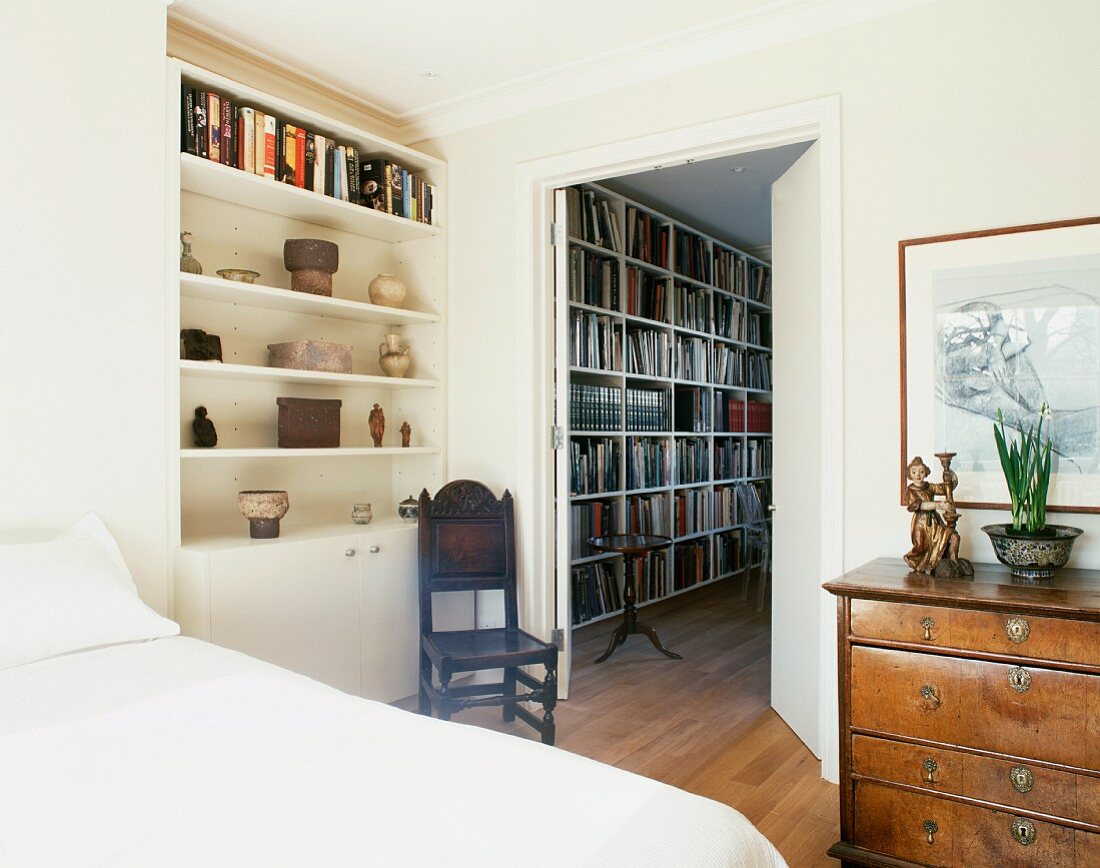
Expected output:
(187, 127)
(259, 119)
(300, 156)
(405, 204)
(330, 167)
(229, 140)
(353, 174)
(270, 125)
(202, 133)
(372, 179)
(309, 166)
(388, 169)
(290, 150)
(246, 140)
(317, 182)
(280, 150)
(214, 127)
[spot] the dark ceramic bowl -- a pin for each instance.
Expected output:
(1032, 557)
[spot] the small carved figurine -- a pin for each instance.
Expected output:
(205, 435)
(198, 346)
(935, 540)
(377, 422)
(406, 434)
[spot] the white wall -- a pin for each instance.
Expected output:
(957, 115)
(82, 361)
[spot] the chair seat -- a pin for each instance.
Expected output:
(467, 650)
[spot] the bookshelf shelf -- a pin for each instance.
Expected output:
(256, 373)
(338, 452)
(710, 326)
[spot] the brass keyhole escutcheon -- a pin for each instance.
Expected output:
(1022, 779)
(930, 767)
(1017, 629)
(928, 693)
(928, 624)
(931, 827)
(1019, 680)
(1023, 831)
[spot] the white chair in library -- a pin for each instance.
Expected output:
(758, 540)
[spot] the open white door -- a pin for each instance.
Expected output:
(563, 581)
(797, 489)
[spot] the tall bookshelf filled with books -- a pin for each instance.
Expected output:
(669, 401)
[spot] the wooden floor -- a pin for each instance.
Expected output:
(702, 724)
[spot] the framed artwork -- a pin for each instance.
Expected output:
(1003, 319)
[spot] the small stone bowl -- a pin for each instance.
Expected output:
(241, 275)
(263, 509)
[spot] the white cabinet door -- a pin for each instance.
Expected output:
(388, 617)
(292, 604)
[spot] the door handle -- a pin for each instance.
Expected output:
(771, 507)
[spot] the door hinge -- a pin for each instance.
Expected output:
(557, 437)
(557, 234)
(557, 636)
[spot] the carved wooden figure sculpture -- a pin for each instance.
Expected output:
(377, 422)
(406, 434)
(935, 540)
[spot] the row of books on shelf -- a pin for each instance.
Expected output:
(741, 368)
(595, 408)
(725, 505)
(732, 415)
(595, 591)
(646, 237)
(217, 128)
(592, 219)
(646, 410)
(691, 564)
(730, 271)
(692, 307)
(692, 358)
(728, 552)
(595, 342)
(692, 460)
(593, 279)
(648, 462)
(692, 410)
(758, 457)
(646, 294)
(760, 285)
(728, 458)
(729, 314)
(692, 512)
(589, 519)
(648, 352)
(594, 465)
(693, 257)
(647, 513)
(757, 330)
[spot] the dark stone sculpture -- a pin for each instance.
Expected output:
(205, 435)
(198, 346)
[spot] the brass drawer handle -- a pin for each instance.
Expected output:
(1023, 831)
(1022, 779)
(928, 692)
(930, 767)
(1018, 629)
(931, 827)
(928, 624)
(1019, 680)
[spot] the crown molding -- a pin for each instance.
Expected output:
(191, 32)
(774, 24)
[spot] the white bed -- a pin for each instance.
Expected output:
(172, 751)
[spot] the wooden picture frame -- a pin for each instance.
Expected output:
(966, 302)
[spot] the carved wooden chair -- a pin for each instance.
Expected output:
(467, 543)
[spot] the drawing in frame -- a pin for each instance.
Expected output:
(1003, 319)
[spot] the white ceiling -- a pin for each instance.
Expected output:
(500, 57)
(733, 206)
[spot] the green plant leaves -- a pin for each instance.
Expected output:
(1026, 467)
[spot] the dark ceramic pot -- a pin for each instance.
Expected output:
(1032, 556)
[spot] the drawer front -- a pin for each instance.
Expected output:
(1011, 784)
(934, 831)
(1027, 711)
(905, 693)
(969, 630)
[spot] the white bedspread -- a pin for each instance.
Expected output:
(175, 752)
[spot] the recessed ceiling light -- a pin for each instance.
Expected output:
(738, 169)
(430, 73)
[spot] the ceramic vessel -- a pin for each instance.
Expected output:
(361, 513)
(1032, 556)
(311, 263)
(241, 275)
(188, 263)
(263, 509)
(393, 359)
(409, 509)
(388, 290)
(311, 356)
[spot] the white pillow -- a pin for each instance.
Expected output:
(68, 594)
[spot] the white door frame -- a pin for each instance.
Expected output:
(535, 181)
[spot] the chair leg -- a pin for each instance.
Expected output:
(765, 575)
(424, 705)
(549, 701)
(444, 696)
(509, 708)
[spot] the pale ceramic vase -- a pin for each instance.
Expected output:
(387, 289)
(393, 359)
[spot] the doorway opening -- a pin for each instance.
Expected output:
(545, 550)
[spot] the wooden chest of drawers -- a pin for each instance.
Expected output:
(969, 718)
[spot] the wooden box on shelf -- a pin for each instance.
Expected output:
(308, 423)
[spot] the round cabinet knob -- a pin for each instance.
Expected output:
(374, 550)
(349, 553)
